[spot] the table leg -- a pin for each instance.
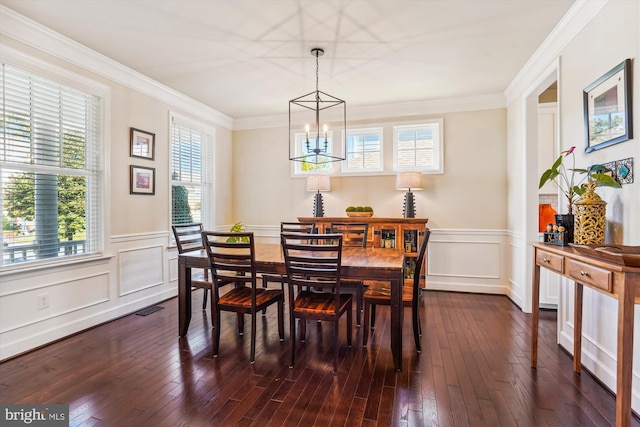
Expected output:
(625, 353)
(577, 326)
(397, 319)
(184, 297)
(535, 311)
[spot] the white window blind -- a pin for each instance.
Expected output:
(364, 150)
(50, 169)
(189, 175)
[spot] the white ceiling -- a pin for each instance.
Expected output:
(248, 58)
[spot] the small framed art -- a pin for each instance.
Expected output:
(143, 180)
(607, 108)
(143, 144)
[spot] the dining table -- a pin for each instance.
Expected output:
(380, 264)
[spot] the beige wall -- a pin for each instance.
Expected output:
(471, 194)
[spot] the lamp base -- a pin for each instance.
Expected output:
(409, 210)
(318, 206)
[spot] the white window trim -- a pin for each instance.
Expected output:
(208, 214)
(63, 76)
(438, 155)
(377, 130)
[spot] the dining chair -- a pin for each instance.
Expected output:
(288, 227)
(379, 293)
(232, 259)
(353, 234)
(313, 263)
(188, 238)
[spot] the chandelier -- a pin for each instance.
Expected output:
(310, 138)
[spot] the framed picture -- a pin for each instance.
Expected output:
(607, 108)
(143, 144)
(143, 180)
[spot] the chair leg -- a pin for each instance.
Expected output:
(216, 330)
(252, 359)
(335, 346)
(373, 316)
(292, 340)
(204, 298)
(213, 314)
(303, 329)
(416, 328)
(240, 324)
(365, 330)
(281, 319)
(349, 323)
(358, 305)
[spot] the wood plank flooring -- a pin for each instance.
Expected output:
(473, 371)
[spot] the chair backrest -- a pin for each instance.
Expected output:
(354, 233)
(298, 227)
(188, 237)
(313, 260)
(232, 257)
(419, 261)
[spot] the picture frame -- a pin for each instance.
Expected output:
(607, 108)
(143, 144)
(142, 180)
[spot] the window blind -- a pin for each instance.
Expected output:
(49, 168)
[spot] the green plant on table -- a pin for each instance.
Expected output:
(573, 187)
(238, 227)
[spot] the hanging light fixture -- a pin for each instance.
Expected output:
(310, 115)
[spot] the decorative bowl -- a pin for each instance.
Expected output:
(360, 214)
(617, 254)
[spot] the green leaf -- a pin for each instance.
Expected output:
(547, 176)
(604, 180)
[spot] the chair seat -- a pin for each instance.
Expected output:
(199, 280)
(381, 292)
(241, 297)
(316, 302)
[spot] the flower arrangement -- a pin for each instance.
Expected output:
(572, 187)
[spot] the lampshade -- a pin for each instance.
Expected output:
(409, 180)
(318, 183)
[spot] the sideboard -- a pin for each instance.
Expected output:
(401, 234)
(615, 280)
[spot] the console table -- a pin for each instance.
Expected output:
(615, 280)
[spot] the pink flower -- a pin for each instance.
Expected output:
(570, 150)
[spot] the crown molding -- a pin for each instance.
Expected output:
(574, 21)
(386, 111)
(31, 33)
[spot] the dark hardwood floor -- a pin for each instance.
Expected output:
(473, 371)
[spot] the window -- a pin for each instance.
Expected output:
(302, 149)
(190, 177)
(364, 150)
(418, 147)
(50, 169)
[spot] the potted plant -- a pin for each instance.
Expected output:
(238, 227)
(359, 211)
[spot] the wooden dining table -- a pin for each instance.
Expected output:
(357, 263)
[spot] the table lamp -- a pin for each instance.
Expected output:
(318, 183)
(408, 181)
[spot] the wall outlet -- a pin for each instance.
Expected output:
(43, 301)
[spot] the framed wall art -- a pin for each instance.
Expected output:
(143, 180)
(607, 108)
(143, 144)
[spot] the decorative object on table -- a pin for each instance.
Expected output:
(142, 144)
(359, 211)
(545, 216)
(142, 180)
(566, 180)
(607, 108)
(566, 222)
(314, 146)
(591, 220)
(618, 254)
(556, 235)
(318, 183)
(408, 181)
(238, 227)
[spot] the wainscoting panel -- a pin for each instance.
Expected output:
(140, 268)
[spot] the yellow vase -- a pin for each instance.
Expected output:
(590, 217)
